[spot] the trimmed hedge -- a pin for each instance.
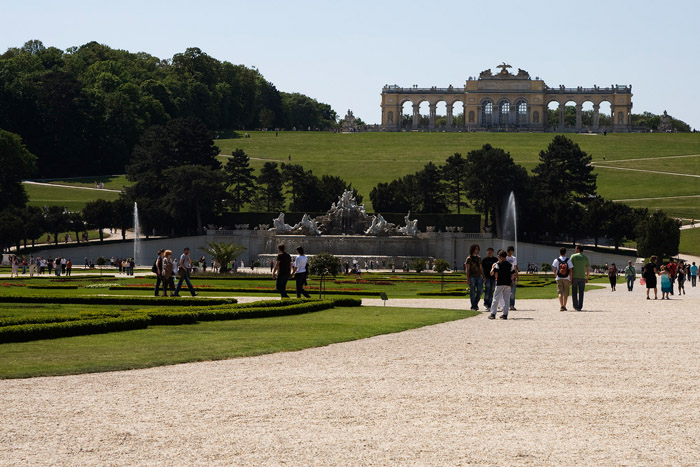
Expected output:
(52, 287)
(34, 328)
(259, 290)
(29, 332)
(93, 300)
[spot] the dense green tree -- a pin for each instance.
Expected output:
(269, 196)
(240, 179)
(431, 189)
(11, 230)
(562, 179)
(196, 193)
(491, 176)
(454, 172)
(82, 110)
(657, 234)
(17, 163)
(98, 214)
(56, 220)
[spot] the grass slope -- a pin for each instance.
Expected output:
(74, 199)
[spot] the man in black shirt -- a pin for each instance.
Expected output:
(490, 280)
(283, 269)
(504, 273)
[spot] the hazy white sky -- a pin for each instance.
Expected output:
(342, 53)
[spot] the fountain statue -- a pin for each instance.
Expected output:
(307, 226)
(279, 226)
(345, 217)
(380, 226)
(411, 228)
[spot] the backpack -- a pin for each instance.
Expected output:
(563, 269)
(154, 268)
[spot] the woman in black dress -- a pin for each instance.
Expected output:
(651, 270)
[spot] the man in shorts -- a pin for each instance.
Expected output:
(563, 270)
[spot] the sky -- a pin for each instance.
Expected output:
(343, 53)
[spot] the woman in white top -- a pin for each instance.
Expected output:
(301, 273)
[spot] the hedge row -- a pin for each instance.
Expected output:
(35, 328)
(93, 300)
(52, 287)
(258, 290)
(29, 332)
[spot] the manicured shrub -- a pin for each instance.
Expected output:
(52, 287)
(170, 301)
(36, 331)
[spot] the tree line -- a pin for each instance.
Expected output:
(180, 186)
(558, 201)
(81, 111)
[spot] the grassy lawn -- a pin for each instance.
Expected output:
(166, 345)
(690, 241)
(73, 199)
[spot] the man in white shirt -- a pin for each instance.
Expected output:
(301, 272)
(184, 273)
(563, 271)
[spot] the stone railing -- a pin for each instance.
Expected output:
(594, 90)
(434, 90)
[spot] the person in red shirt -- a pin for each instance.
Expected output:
(672, 268)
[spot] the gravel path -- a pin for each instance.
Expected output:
(617, 385)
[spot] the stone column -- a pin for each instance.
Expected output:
(596, 116)
(562, 111)
(431, 119)
(416, 115)
(450, 116)
(579, 123)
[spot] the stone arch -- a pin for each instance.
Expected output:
(504, 110)
(522, 111)
(488, 109)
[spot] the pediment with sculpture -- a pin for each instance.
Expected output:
(504, 73)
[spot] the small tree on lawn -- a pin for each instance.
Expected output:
(223, 253)
(440, 267)
(101, 261)
(323, 264)
(419, 265)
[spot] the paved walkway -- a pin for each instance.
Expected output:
(616, 385)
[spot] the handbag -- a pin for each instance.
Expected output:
(642, 281)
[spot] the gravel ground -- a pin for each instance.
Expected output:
(615, 385)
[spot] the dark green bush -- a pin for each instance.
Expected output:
(52, 286)
(36, 331)
(92, 300)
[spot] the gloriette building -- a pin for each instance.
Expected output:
(506, 101)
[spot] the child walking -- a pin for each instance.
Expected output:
(666, 285)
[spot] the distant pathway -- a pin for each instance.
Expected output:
(71, 186)
(644, 159)
(644, 170)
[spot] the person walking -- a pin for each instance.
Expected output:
(69, 267)
(15, 267)
(612, 276)
(184, 273)
(301, 273)
(681, 277)
(514, 263)
(693, 274)
(475, 276)
(504, 274)
(489, 278)
(158, 270)
(630, 275)
(579, 277)
(32, 266)
(168, 267)
(672, 268)
(282, 271)
(564, 269)
(666, 284)
(651, 270)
